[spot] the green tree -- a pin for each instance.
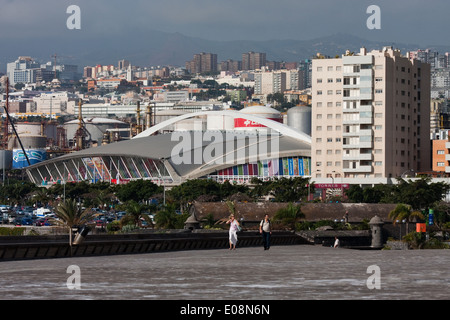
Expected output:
(289, 215)
(355, 193)
(137, 190)
(71, 215)
(282, 189)
(167, 217)
(404, 212)
(421, 193)
(136, 211)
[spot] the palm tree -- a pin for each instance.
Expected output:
(41, 195)
(404, 212)
(167, 217)
(290, 214)
(231, 207)
(70, 214)
(135, 210)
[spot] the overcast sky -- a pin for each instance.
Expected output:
(408, 21)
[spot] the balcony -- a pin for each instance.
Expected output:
(358, 157)
(360, 169)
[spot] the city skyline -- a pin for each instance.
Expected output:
(41, 27)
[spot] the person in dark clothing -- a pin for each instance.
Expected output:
(265, 228)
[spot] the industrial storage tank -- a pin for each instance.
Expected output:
(35, 150)
(97, 127)
(5, 159)
(300, 118)
(48, 129)
(261, 111)
(219, 122)
(190, 125)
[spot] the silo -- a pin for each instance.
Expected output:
(5, 159)
(219, 122)
(35, 149)
(300, 118)
(260, 111)
(97, 127)
(35, 129)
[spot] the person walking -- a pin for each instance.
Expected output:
(337, 243)
(265, 228)
(234, 227)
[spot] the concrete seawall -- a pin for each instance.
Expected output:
(41, 247)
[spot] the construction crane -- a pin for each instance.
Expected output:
(55, 56)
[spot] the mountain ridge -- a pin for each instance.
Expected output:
(163, 48)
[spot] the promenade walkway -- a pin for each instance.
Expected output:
(292, 272)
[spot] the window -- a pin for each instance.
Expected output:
(330, 68)
(319, 80)
(441, 164)
(319, 128)
(330, 80)
(378, 163)
(319, 92)
(319, 69)
(319, 116)
(440, 152)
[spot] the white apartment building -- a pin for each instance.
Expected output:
(370, 115)
(55, 103)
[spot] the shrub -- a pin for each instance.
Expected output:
(5, 231)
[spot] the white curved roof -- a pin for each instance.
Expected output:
(274, 125)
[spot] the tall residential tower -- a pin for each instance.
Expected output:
(370, 115)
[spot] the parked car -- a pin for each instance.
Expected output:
(27, 221)
(42, 222)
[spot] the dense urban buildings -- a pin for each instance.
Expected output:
(369, 115)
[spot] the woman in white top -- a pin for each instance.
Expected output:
(233, 232)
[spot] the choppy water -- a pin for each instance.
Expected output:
(281, 273)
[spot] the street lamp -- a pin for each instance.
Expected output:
(407, 171)
(309, 184)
